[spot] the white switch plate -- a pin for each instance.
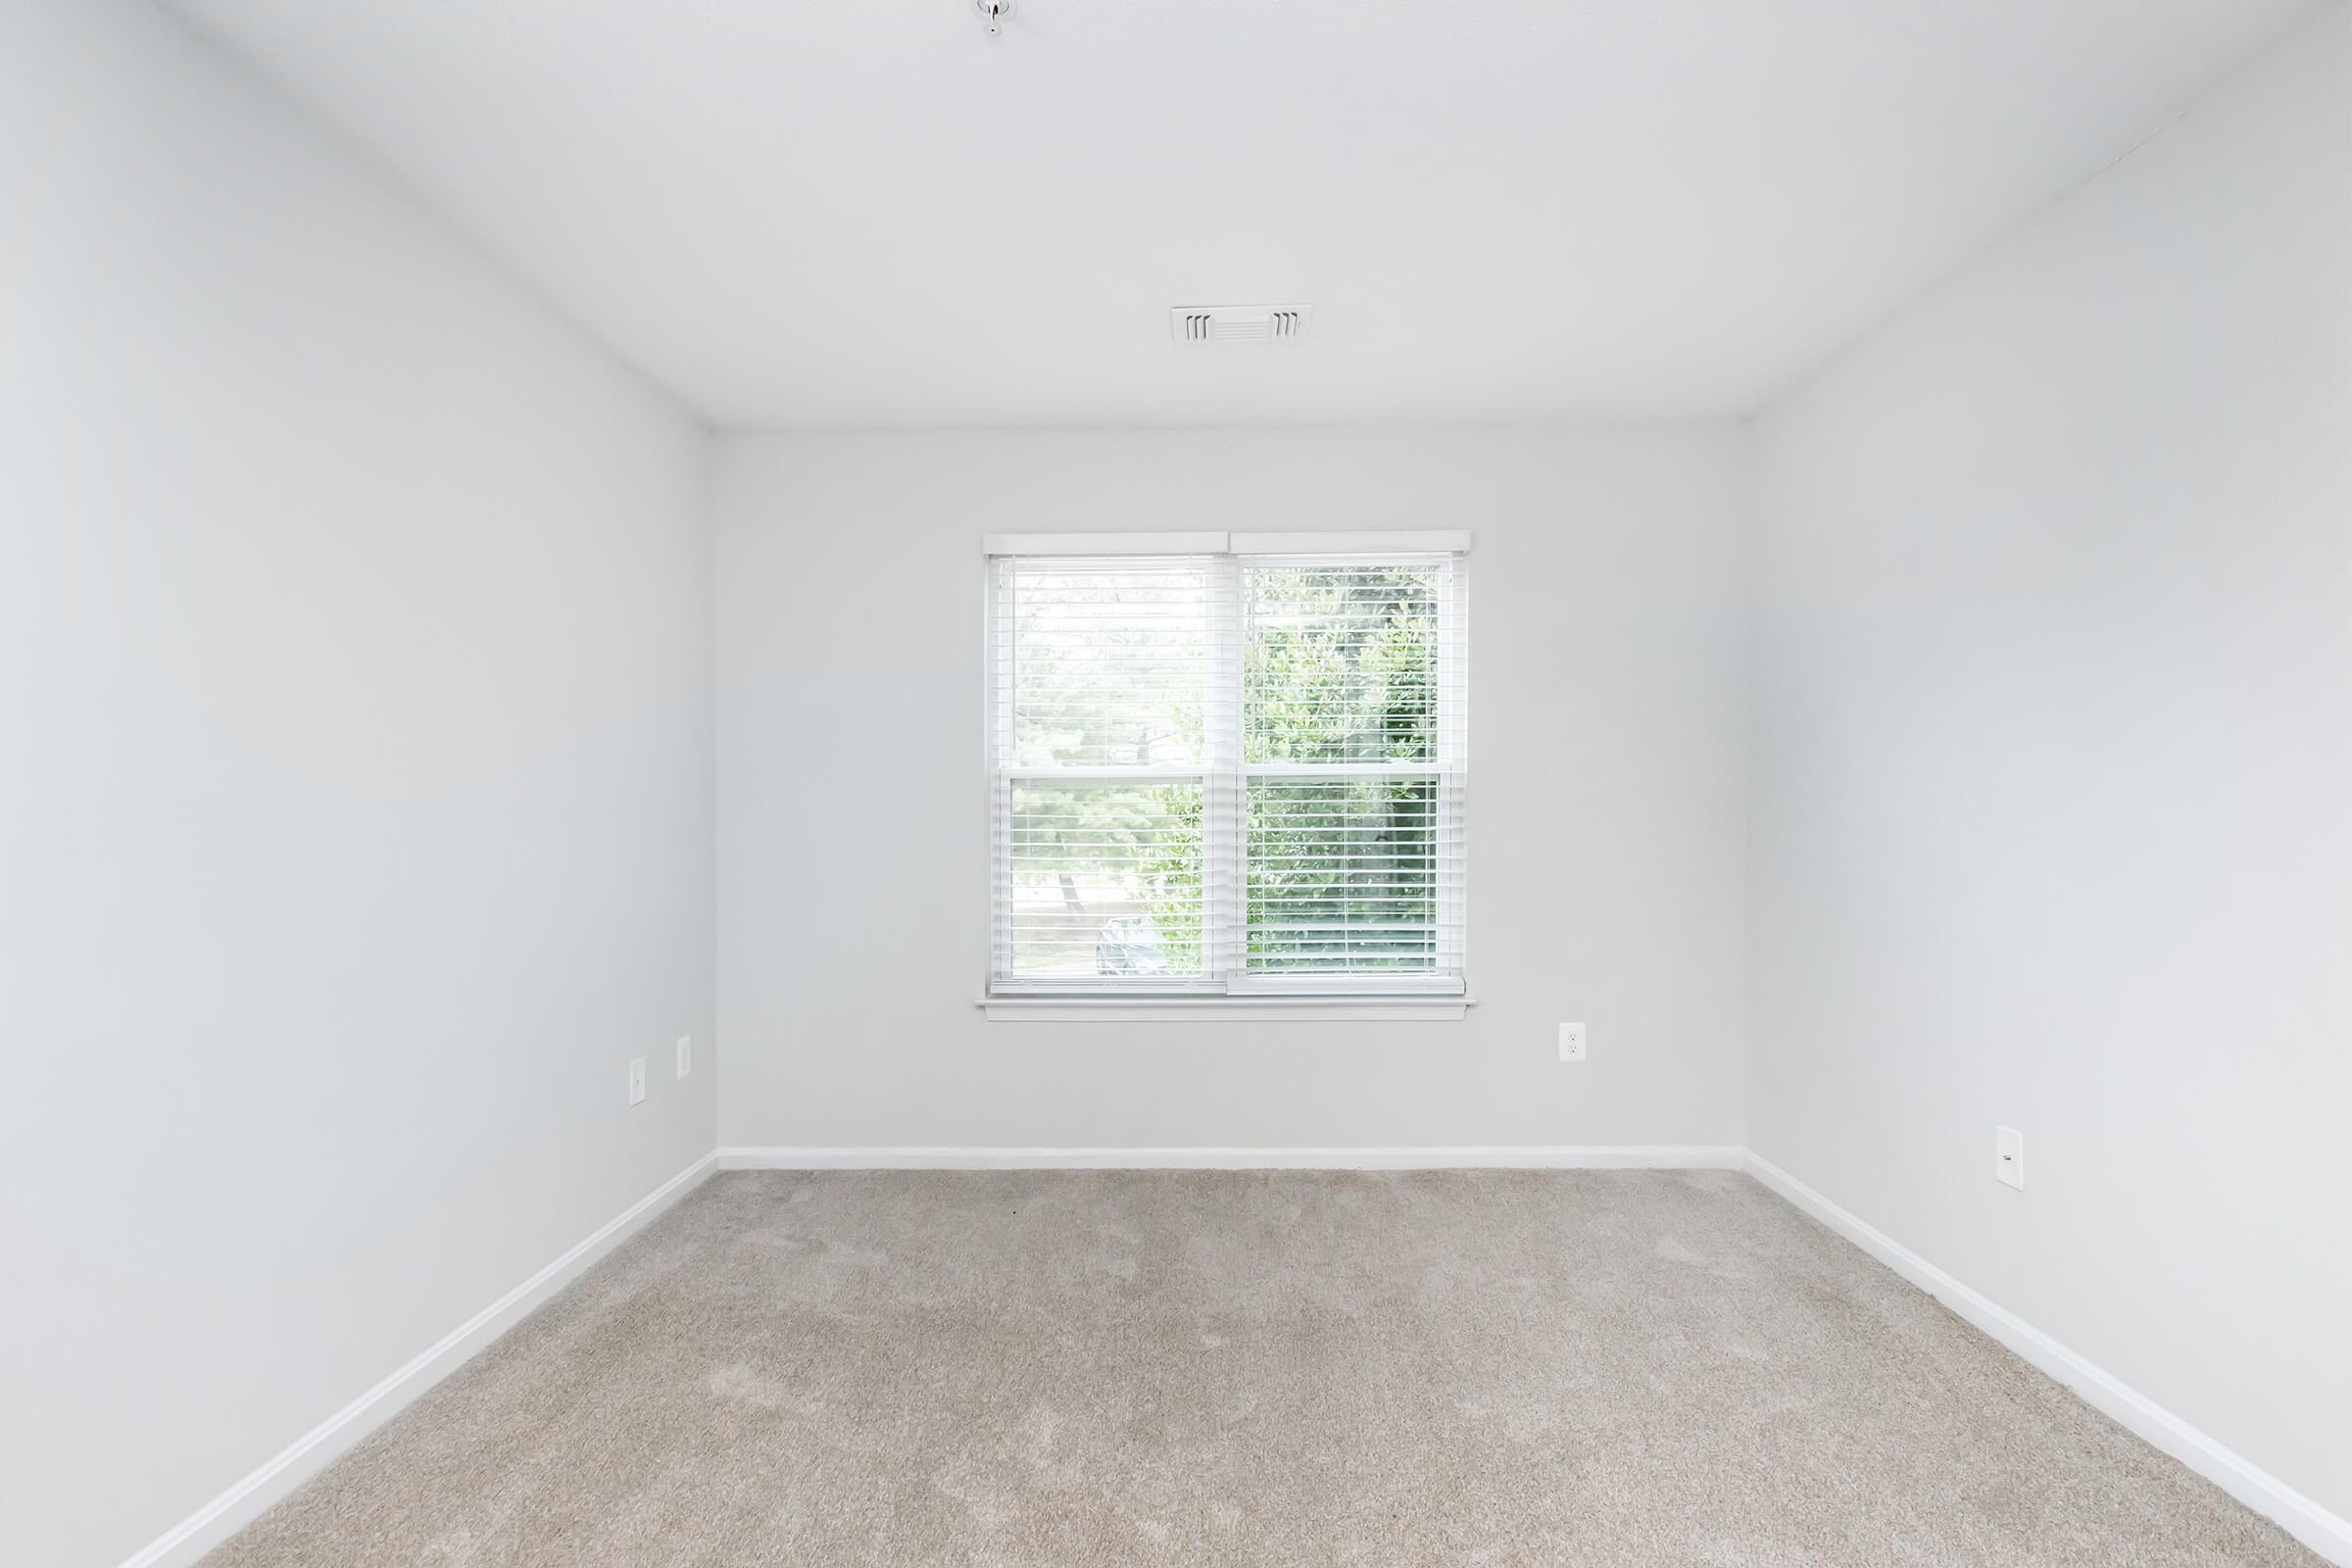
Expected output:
(1572, 1041)
(636, 1080)
(2009, 1156)
(685, 1055)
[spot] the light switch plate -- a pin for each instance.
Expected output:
(636, 1080)
(685, 1055)
(2009, 1156)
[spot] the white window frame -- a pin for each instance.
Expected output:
(1239, 996)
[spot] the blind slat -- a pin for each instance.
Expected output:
(1217, 771)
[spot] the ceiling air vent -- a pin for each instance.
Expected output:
(1240, 324)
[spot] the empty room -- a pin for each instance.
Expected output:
(1031, 783)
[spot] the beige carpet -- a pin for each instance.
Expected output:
(1290, 1368)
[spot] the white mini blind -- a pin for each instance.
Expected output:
(1236, 769)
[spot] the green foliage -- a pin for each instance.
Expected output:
(1106, 674)
(1338, 666)
(1342, 873)
(1144, 835)
(1171, 871)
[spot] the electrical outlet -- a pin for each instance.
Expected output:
(636, 1080)
(2009, 1156)
(685, 1055)
(1572, 1041)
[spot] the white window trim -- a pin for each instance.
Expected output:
(1226, 1008)
(1268, 999)
(1428, 542)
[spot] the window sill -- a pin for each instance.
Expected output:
(1226, 1009)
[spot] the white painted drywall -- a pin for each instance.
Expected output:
(354, 821)
(1606, 796)
(1501, 209)
(2053, 769)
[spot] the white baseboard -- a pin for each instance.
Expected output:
(1609, 1157)
(2323, 1532)
(249, 1498)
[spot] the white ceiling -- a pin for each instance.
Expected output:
(866, 212)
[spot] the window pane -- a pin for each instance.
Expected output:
(1106, 880)
(1339, 662)
(1106, 662)
(1342, 874)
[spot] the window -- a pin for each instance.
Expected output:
(1229, 767)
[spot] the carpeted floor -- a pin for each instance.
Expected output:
(1303, 1369)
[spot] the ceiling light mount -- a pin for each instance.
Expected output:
(994, 13)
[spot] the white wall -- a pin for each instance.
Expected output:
(355, 820)
(1606, 796)
(2053, 769)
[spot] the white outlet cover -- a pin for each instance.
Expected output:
(2009, 1156)
(1572, 1041)
(685, 1055)
(636, 1080)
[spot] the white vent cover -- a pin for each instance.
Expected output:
(1240, 324)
